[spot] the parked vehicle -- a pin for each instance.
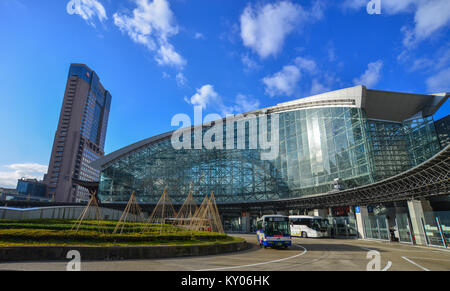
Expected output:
(309, 226)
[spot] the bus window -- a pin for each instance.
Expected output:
(274, 231)
(277, 227)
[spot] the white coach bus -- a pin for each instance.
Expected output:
(308, 226)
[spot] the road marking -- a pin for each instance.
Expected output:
(432, 259)
(419, 248)
(423, 268)
(258, 264)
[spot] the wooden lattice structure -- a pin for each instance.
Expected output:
(216, 215)
(187, 211)
(92, 204)
(207, 217)
(163, 216)
(131, 213)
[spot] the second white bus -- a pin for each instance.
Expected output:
(309, 226)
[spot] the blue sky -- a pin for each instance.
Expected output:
(160, 57)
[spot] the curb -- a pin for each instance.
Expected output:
(50, 253)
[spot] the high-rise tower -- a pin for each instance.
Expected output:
(80, 137)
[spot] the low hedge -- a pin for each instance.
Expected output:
(59, 231)
(43, 235)
(67, 222)
(93, 225)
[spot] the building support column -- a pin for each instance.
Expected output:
(321, 212)
(416, 213)
(361, 214)
(245, 219)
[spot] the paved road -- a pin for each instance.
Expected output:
(305, 254)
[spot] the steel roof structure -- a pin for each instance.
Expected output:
(431, 178)
(378, 105)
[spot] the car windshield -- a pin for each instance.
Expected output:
(277, 228)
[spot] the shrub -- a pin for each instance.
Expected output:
(59, 231)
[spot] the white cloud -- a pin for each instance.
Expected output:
(249, 64)
(439, 60)
(206, 96)
(429, 16)
(265, 28)
(287, 81)
(167, 55)
(387, 6)
(199, 35)
(11, 173)
(331, 51)
(152, 24)
(88, 10)
(242, 104)
(284, 82)
(245, 104)
(439, 82)
(181, 79)
(371, 76)
(399, 6)
(317, 87)
(305, 64)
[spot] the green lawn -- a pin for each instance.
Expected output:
(47, 232)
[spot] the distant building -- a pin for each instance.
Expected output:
(80, 137)
(7, 194)
(31, 188)
(26, 190)
(443, 130)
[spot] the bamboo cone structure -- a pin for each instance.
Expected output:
(98, 215)
(187, 211)
(218, 226)
(132, 209)
(162, 214)
(207, 217)
(198, 222)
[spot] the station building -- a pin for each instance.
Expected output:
(325, 143)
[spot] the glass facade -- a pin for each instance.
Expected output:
(81, 72)
(316, 146)
(396, 147)
(422, 139)
(31, 188)
(320, 145)
(96, 109)
(443, 130)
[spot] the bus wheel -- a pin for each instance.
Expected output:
(304, 234)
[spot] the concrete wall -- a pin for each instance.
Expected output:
(15, 254)
(60, 212)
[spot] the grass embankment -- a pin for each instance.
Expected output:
(58, 233)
